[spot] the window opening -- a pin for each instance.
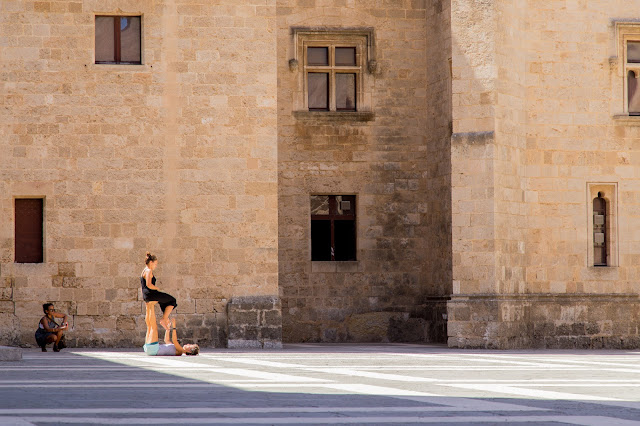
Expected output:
(29, 247)
(118, 40)
(332, 73)
(599, 231)
(333, 227)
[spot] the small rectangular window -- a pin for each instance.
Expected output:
(346, 56)
(633, 52)
(29, 230)
(318, 91)
(118, 40)
(346, 92)
(318, 56)
(333, 227)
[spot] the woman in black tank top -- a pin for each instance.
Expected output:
(150, 292)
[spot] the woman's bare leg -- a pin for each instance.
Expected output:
(58, 337)
(152, 326)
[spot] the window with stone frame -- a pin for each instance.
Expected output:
(628, 54)
(331, 77)
(118, 40)
(602, 233)
(333, 227)
(335, 69)
(29, 230)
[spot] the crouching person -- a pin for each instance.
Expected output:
(49, 331)
(171, 347)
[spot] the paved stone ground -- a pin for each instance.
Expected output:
(323, 384)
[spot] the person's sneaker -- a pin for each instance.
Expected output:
(44, 348)
(62, 344)
(55, 348)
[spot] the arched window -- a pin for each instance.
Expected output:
(599, 231)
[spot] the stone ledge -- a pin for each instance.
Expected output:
(542, 296)
(253, 344)
(10, 354)
(630, 120)
(332, 116)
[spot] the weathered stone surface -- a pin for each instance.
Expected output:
(10, 354)
(539, 327)
(483, 133)
(254, 322)
(177, 156)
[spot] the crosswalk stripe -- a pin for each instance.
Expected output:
(577, 420)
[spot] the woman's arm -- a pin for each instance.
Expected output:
(148, 277)
(63, 316)
(174, 338)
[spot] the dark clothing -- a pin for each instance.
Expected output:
(42, 334)
(149, 295)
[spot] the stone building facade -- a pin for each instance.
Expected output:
(458, 149)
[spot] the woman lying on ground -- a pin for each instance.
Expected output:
(171, 346)
(49, 331)
(150, 292)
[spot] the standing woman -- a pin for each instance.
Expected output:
(150, 292)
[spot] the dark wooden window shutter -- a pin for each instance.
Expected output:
(29, 230)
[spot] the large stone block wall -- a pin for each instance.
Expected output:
(177, 156)
(255, 322)
(574, 140)
(556, 79)
(555, 321)
(396, 164)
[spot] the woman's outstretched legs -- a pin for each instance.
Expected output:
(152, 326)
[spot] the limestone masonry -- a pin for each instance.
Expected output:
(489, 150)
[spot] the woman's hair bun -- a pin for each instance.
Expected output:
(150, 258)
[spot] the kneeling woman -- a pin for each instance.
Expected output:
(150, 292)
(171, 346)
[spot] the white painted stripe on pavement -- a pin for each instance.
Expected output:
(470, 404)
(577, 420)
(15, 422)
(371, 375)
(244, 410)
(533, 393)
(375, 390)
(254, 361)
(256, 374)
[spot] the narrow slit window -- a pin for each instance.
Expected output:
(333, 228)
(29, 242)
(599, 231)
(118, 40)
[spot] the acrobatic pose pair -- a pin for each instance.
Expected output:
(151, 296)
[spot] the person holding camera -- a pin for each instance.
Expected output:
(49, 331)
